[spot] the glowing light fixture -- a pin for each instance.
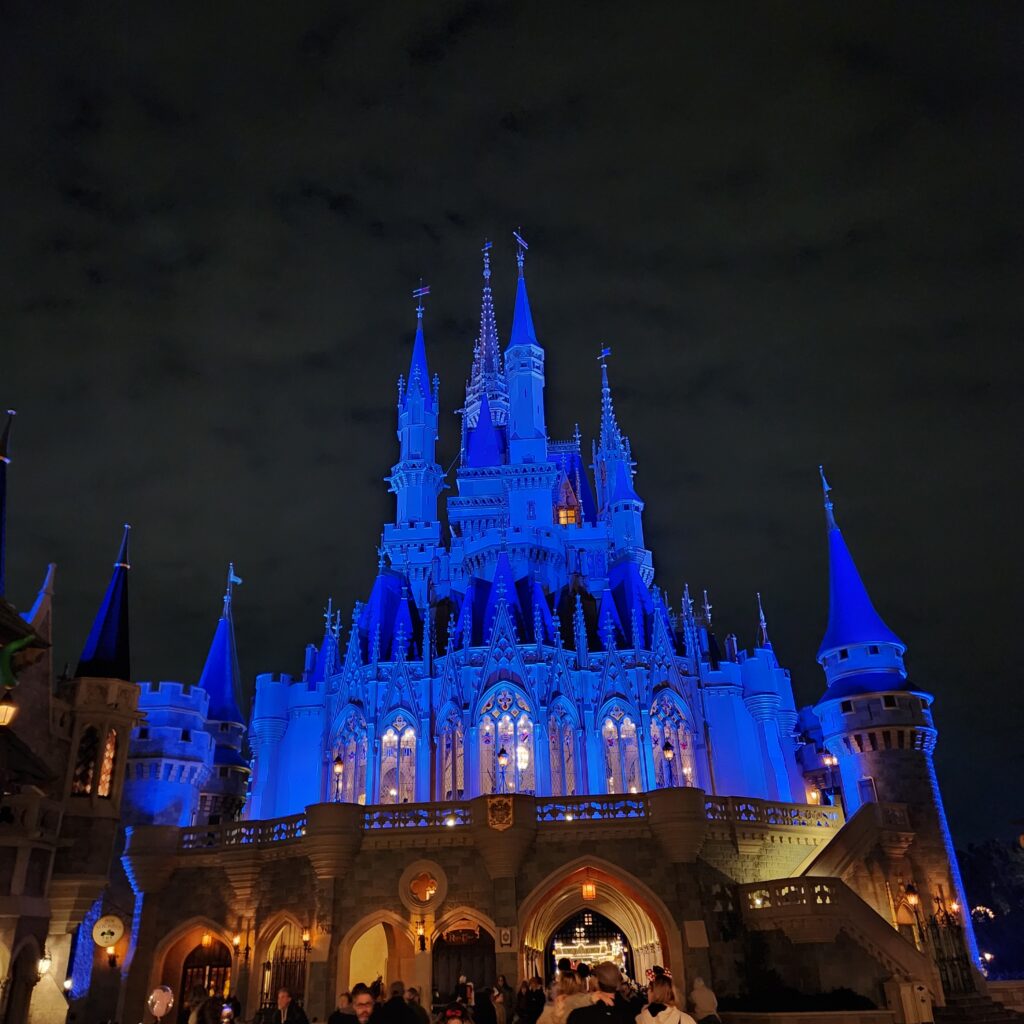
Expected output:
(8, 709)
(588, 890)
(503, 758)
(667, 751)
(67, 984)
(236, 941)
(911, 891)
(306, 939)
(206, 940)
(339, 765)
(45, 963)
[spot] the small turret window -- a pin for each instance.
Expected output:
(85, 762)
(106, 785)
(568, 516)
(844, 654)
(873, 649)
(846, 707)
(889, 701)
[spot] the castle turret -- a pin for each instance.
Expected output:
(223, 794)
(879, 728)
(106, 654)
(416, 479)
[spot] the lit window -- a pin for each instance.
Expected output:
(568, 515)
(107, 768)
(85, 762)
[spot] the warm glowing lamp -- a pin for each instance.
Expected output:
(667, 751)
(8, 709)
(589, 891)
(206, 940)
(503, 758)
(45, 963)
(339, 765)
(67, 984)
(236, 941)
(306, 939)
(912, 897)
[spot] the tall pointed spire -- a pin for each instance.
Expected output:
(852, 619)
(523, 331)
(107, 653)
(220, 677)
(419, 375)
(5, 458)
(487, 376)
(611, 440)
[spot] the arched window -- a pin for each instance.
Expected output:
(107, 767)
(671, 745)
(453, 781)
(562, 751)
(398, 763)
(621, 753)
(85, 762)
(506, 745)
(349, 783)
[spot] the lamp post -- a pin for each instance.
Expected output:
(502, 765)
(667, 752)
(338, 767)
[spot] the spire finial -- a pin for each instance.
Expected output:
(381, 555)
(233, 581)
(486, 250)
(830, 518)
(762, 623)
(687, 601)
(707, 609)
(329, 614)
(521, 250)
(122, 555)
(5, 438)
(419, 294)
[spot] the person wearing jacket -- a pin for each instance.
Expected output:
(704, 1002)
(607, 1005)
(661, 1005)
(567, 995)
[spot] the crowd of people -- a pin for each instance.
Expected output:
(578, 995)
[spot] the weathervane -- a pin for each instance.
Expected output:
(420, 294)
(603, 356)
(829, 516)
(521, 249)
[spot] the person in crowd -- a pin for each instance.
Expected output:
(704, 1003)
(395, 1010)
(522, 1002)
(607, 1006)
(412, 997)
(583, 973)
(288, 1011)
(344, 1011)
(455, 1013)
(564, 965)
(196, 998)
(661, 1004)
(567, 995)
(362, 1003)
(535, 1000)
(504, 999)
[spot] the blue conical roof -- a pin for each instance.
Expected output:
(503, 586)
(107, 654)
(523, 332)
(484, 445)
(852, 618)
(220, 677)
(622, 486)
(419, 375)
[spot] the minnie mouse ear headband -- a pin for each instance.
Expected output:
(455, 1011)
(657, 972)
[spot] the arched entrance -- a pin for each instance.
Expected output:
(636, 911)
(378, 946)
(464, 949)
(206, 968)
(19, 983)
(591, 938)
(284, 966)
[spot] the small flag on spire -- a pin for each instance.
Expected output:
(521, 249)
(603, 356)
(420, 294)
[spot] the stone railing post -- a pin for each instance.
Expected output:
(678, 819)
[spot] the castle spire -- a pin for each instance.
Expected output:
(523, 332)
(220, 677)
(610, 440)
(5, 458)
(484, 445)
(852, 619)
(107, 654)
(419, 375)
(486, 377)
(487, 344)
(762, 625)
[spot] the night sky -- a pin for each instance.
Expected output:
(798, 227)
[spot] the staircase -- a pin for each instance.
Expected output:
(975, 1008)
(813, 909)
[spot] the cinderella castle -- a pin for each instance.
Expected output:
(520, 746)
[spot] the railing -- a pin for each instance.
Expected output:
(764, 812)
(548, 810)
(591, 808)
(448, 815)
(243, 833)
(796, 905)
(30, 816)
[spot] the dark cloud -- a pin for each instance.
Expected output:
(798, 227)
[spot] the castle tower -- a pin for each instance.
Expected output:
(416, 479)
(879, 727)
(486, 378)
(222, 795)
